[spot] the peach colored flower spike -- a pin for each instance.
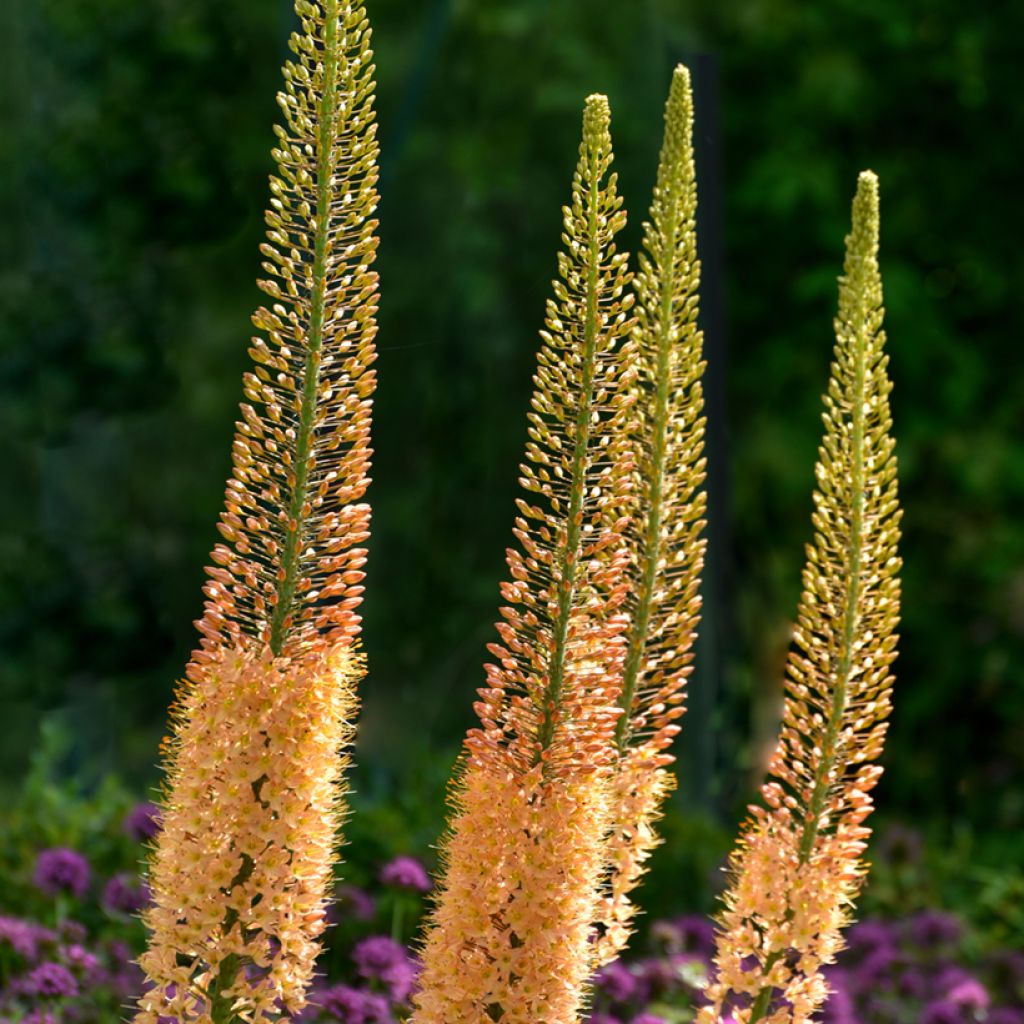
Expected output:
(255, 763)
(250, 820)
(799, 864)
(509, 939)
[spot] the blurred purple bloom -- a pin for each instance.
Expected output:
(51, 981)
(351, 901)
(39, 1017)
(913, 984)
(875, 968)
(61, 870)
(401, 980)
(948, 978)
(617, 982)
(73, 931)
(648, 1018)
(867, 935)
(969, 993)
(24, 937)
(122, 897)
(934, 928)
(380, 958)
(839, 1008)
(942, 1011)
(405, 873)
(376, 954)
(127, 982)
(86, 964)
(698, 934)
(351, 1006)
(1004, 1015)
(142, 822)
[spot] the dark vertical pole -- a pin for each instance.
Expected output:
(702, 726)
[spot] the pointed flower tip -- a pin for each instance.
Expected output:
(596, 115)
(866, 209)
(681, 79)
(867, 193)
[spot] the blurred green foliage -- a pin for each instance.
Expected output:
(135, 159)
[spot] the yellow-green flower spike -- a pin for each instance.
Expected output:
(290, 568)
(665, 539)
(525, 857)
(560, 652)
(798, 866)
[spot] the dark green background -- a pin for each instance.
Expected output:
(134, 156)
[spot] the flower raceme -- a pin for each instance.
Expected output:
(510, 935)
(798, 865)
(254, 792)
(664, 543)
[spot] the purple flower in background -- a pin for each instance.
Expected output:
(73, 931)
(380, 958)
(142, 822)
(24, 937)
(648, 1018)
(405, 873)
(1004, 1015)
(61, 870)
(401, 980)
(942, 1011)
(868, 935)
(617, 982)
(875, 967)
(969, 993)
(934, 928)
(839, 1008)
(122, 897)
(351, 901)
(698, 934)
(84, 963)
(913, 983)
(376, 954)
(948, 978)
(51, 981)
(39, 1017)
(351, 1006)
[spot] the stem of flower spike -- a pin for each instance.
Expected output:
(221, 1005)
(596, 116)
(296, 513)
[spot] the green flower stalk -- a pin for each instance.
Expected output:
(509, 938)
(254, 795)
(798, 866)
(664, 540)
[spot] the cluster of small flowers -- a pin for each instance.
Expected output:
(47, 971)
(911, 970)
(905, 972)
(893, 972)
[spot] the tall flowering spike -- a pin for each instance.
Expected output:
(509, 939)
(290, 569)
(665, 539)
(254, 793)
(798, 866)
